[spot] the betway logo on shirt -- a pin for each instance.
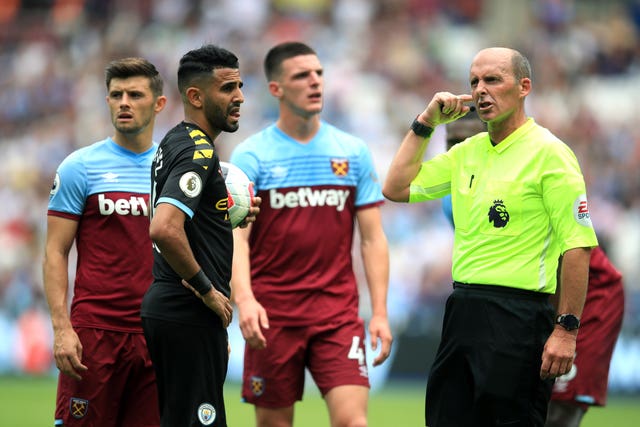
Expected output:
(308, 197)
(135, 206)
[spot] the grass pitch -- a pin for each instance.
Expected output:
(29, 402)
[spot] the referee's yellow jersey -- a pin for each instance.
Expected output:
(517, 206)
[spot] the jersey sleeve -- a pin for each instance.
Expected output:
(192, 166)
(68, 193)
(565, 199)
(433, 180)
(248, 161)
(369, 189)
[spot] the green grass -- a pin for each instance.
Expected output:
(29, 402)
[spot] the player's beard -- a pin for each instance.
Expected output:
(133, 128)
(217, 118)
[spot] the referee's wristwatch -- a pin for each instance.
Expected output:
(568, 321)
(421, 130)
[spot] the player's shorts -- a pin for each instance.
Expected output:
(191, 366)
(586, 383)
(487, 367)
(333, 352)
(118, 389)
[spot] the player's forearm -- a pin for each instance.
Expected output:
(404, 167)
(574, 277)
(56, 285)
(375, 257)
(175, 248)
(241, 267)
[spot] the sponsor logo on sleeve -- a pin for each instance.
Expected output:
(191, 184)
(55, 186)
(581, 211)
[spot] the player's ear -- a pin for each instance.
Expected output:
(525, 86)
(274, 89)
(194, 96)
(160, 103)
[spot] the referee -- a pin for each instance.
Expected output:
(519, 205)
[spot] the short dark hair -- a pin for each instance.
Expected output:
(199, 63)
(281, 52)
(133, 67)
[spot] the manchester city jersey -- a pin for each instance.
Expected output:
(186, 173)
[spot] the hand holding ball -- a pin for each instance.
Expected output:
(240, 191)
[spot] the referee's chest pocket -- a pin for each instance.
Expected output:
(463, 198)
(501, 203)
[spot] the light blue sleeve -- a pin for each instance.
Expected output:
(248, 161)
(447, 208)
(369, 187)
(69, 191)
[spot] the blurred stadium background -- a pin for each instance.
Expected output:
(383, 61)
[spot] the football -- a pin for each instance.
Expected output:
(240, 191)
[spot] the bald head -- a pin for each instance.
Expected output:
(500, 80)
(511, 60)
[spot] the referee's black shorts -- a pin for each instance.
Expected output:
(487, 368)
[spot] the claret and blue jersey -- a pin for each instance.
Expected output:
(105, 187)
(310, 194)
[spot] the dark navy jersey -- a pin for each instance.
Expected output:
(186, 173)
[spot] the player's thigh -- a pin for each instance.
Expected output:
(274, 377)
(191, 364)
(337, 355)
(90, 401)
(140, 402)
(601, 322)
(347, 405)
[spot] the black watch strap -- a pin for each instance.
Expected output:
(421, 130)
(568, 321)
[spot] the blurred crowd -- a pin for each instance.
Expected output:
(383, 61)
